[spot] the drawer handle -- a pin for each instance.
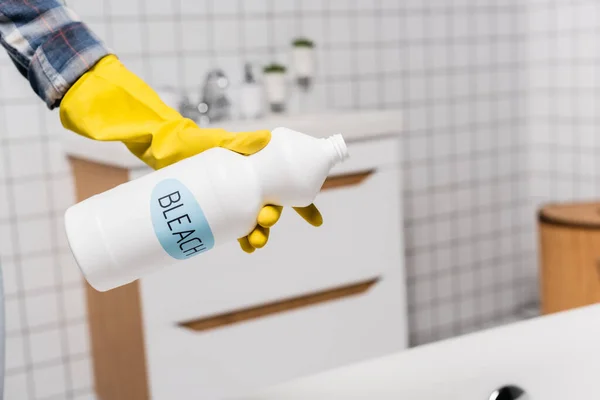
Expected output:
(246, 314)
(598, 268)
(346, 180)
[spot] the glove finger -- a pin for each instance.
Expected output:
(310, 214)
(269, 215)
(245, 245)
(258, 237)
(247, 142)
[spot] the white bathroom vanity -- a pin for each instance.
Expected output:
(226, 322)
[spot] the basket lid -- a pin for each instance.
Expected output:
(573, 215)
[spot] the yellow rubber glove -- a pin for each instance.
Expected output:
(267, 217)
(110, 103)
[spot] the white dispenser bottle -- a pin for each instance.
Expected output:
(189, 207)
(251, 99)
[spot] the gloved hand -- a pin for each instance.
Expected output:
(267, 217)
(110, 103)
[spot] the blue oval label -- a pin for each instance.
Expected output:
(178, 220)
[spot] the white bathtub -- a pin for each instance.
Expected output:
(552, 358)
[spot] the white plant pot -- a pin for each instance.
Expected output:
(303, 59)
(275, 89)
(251, 101)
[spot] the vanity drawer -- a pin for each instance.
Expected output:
(359, 241)
(241, 358)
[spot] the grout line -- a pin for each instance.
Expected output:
(554, 6)
(453, 132)
(471, 110)
(575, 105)
(178, 45)
(419, 12)
(379, 55)
(353, 49)
(492, 107)
(406, 179)
(520, 111)
(327, 33)
(428, 115)
(242, 18)
(212, 55)
(50, 327)
(45, 364)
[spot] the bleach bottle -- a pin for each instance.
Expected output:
(186, 209)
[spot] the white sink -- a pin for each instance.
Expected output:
(555, 357)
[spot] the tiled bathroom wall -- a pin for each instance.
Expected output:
(458, 72)
(464, 97)
(47, 353)
(564, 85)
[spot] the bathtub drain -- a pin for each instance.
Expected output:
(509, 392)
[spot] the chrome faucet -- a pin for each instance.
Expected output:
(214, 104)
(211, 105)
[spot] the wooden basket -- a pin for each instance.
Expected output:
(570, 256)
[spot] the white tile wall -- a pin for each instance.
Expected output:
(13, 316)
(16, 386)
(38, 272)
(157, 8)
(18, 123)
(45, 345)
(33, 235)
(563, 82)
(49, 381)
(9, 272)
(26, 160)
(81, 373)
(42, 310)
(15, 353)
(78, 340)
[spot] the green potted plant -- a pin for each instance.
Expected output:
(275, 87)
(303, 59)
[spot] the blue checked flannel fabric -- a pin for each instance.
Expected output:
(49, 45)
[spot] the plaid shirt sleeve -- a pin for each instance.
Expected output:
(49, 45)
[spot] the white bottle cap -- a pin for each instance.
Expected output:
(339, 145)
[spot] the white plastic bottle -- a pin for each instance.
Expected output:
(189, 207)
(251, 100)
